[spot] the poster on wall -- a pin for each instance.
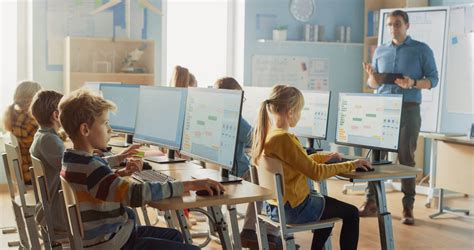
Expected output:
(301, 72)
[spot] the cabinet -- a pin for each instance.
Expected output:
(101, 60)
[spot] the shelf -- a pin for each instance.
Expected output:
(308, 42)
(120, 74)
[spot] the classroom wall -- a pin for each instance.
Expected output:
(52, 77)
(345, 61)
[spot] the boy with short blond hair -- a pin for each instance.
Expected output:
(102, 194)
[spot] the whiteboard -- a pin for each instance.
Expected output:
(299, 71)
(428, 25)
(460, 67)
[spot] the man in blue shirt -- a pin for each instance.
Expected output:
(416, 62)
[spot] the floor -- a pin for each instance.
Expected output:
(445, 232)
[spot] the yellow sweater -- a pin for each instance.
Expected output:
(297, 165)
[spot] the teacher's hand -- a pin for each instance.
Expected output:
(368, 69)
(405, 83)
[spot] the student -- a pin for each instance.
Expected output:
(243, 138)
(180, 77)
(271, 138)
(48, 146)
(192, 80)
(19, 122)
(103, 195)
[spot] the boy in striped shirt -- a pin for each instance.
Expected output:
(104, 195)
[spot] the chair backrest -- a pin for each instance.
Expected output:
(38, 170)
(73, 213)
(14, 140)
(75, 242)
(11, 186)
(268, 169)
(16, 184)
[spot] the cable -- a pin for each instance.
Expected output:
(368, 153)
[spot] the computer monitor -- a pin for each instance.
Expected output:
(253, 98)
(125, 97)
(314, 116)
(160, 119)
(211, 126)
(369, 120)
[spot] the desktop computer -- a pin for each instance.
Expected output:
(211, 127)
(253, 98)
(371, 121)
(314, 116)
(160, 119)
(125, 97)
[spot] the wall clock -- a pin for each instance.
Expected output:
(302, 10)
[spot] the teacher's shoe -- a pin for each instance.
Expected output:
(368, 209)
(408, 218)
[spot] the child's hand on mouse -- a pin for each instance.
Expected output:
(133, 165)
(364, 164)
(211, 186)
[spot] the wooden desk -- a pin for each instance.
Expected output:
(235, 193)
(452, 168)
(378, 177)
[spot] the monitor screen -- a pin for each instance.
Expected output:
(253, 98)
(125, 97)
(369, 120)
(160, 116)
(211, 125)
(314, 116)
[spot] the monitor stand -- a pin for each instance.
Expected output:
(310, 149)
(377, 159)
(128, 141)
(223, 176)
(165, 159)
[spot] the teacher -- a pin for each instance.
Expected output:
(415, 61)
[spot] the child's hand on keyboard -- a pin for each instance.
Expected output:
(211, 186)
(333, 155)
(133, 165)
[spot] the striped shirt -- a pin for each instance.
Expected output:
(102, 196)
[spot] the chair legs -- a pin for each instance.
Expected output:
(20, 222)
(33, 232)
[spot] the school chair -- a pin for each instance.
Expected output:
(23, 203)
(75, 229)
(269, 174)
(51, 238)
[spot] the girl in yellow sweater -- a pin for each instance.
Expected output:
(271, 138)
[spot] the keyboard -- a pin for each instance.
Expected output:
(152, 176)
(334, 160)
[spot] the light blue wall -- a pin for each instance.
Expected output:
(345, 61)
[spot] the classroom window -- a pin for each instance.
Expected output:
(197, 37)
(8, 53)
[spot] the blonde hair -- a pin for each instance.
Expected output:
(24, 93)
(81, 106)
(43, 106)
(283, 99)
(180, 77)
(227, 83)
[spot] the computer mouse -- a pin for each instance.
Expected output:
(146, 166)
(360, 169)
(206, 193)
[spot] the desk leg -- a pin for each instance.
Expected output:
(169, 219)
(442, 209)
(183, 224)
(432, 181)
(221, 226)
(235, 226)
(323, 188)
(385, 218)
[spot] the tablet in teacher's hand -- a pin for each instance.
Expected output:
(387, 78)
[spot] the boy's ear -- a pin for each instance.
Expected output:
(55, 116)
(84, 129)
